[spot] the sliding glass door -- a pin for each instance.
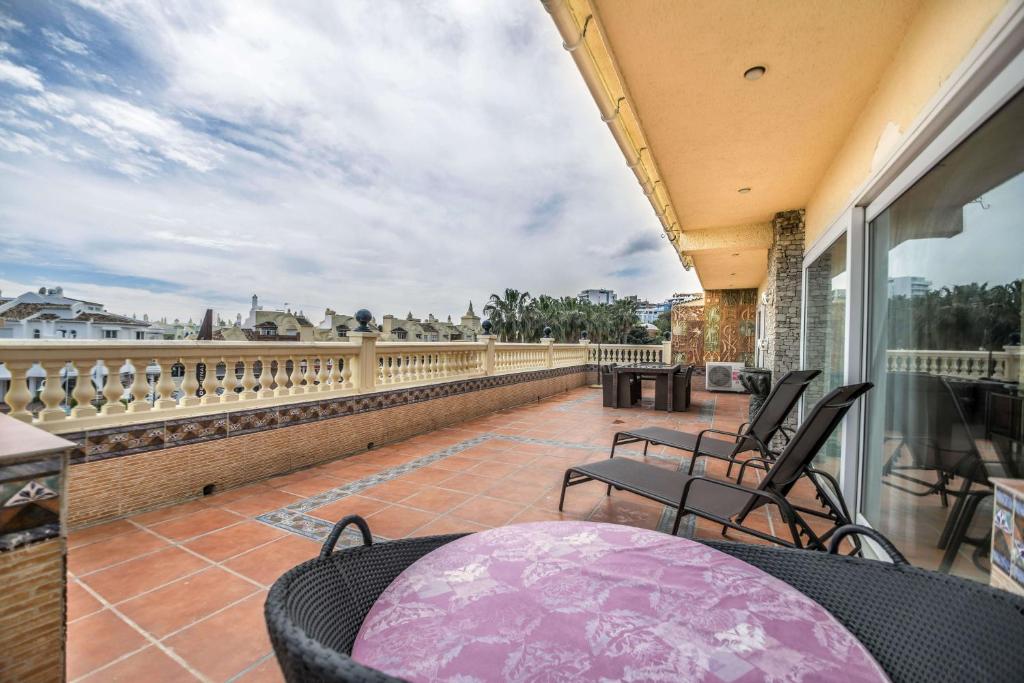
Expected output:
(946, 264)
(826, 283)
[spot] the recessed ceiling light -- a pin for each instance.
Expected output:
(754, 73)
(743, 190)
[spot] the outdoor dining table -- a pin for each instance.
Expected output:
(592, 601)
(666, 373)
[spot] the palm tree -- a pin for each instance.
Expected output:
(507, 314)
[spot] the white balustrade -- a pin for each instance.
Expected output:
(626, 353)
(963, 364)
(70, 385)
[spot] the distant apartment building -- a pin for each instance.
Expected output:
(287, 325)
(48, 314)
(270, 325)
(431, 329)
(910, 286)
(648, 312)
(598, 296)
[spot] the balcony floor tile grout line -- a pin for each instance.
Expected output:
(140, 527)
(113, 607)
(153, 640)
(293, 517)
(255, 665)
(210, 563)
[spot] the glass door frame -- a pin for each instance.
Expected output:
(851, 226)
(995, 90)
(988, 76)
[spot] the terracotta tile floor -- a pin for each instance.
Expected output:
(177, 593)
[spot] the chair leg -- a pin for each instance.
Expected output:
(955, 513)
(609, 491)
(959, 531)
(565, 485)
(675, 524)
(646, 444)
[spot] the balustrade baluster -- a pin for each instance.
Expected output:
(113, 390)
(140, 386)
(266, 378)
(346, 372)
(210, 383)
(85, 392)
(18, 395)
(230, 382)
(281, 378)
(51, 395)
(189, 384)
(248, 380)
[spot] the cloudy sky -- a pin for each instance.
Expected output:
(165, 157)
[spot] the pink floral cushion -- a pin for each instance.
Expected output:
(560, 601)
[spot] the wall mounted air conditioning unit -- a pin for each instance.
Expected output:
(723, 376)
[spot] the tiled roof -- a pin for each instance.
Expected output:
(22, 311)
(110, 318)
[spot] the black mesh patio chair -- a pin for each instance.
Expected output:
(754, 436)
(934, 434)
(917, 624)
(729, 504)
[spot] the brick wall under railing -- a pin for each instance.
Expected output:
(120, 472)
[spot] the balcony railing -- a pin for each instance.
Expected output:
(1003, 364)
(40, 381)
(630, 353)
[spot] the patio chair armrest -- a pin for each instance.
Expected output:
(739, 435)
(785, 509)
(856, 529)
(764, 462)
(742, 430)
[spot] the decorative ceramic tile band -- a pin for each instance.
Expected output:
(112, 442)
(29, 502)
(295, 518)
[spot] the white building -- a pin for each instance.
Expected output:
(909, 286)
(649, 312)
(48, 314)
(598, 296)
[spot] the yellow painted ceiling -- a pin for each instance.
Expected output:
(711, 131)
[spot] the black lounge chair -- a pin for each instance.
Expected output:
(918, 625)
(932, 429)
(753, 436)
(728, 503)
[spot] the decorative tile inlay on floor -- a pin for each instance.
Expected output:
(294, 517)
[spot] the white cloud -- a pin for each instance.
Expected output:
(19, 76)
(9, 24)
(378, 154)
(64, 44)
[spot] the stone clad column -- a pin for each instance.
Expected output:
(33, 464)
(785, 278)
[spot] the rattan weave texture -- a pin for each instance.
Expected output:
(920, 626)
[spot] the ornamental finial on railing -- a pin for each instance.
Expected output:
(547, 331)
(363, 317)
(583, 335)
(487, 326)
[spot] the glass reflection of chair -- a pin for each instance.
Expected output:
(932, 433)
